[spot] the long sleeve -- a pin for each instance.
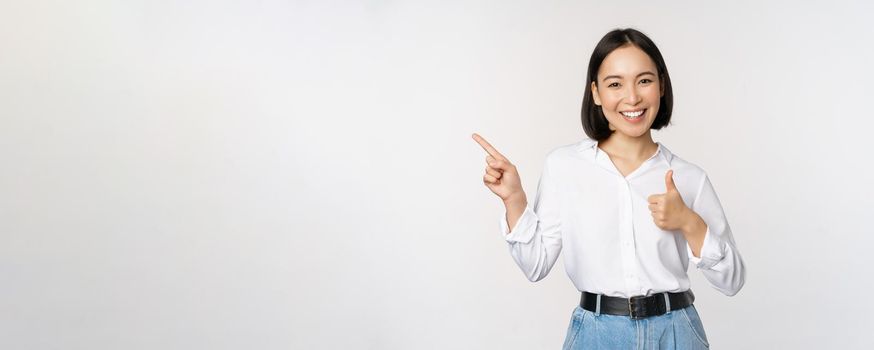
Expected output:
(720, 260)
(535, 240)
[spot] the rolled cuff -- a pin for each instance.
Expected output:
(712, 252)
(524, 229)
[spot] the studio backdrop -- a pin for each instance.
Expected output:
(300, 174)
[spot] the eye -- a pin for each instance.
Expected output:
(613, 85)
(645, 81)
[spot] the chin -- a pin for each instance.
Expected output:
(634, 132)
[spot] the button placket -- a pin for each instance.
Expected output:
(627, 236)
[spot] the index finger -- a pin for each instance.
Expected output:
(488, 147)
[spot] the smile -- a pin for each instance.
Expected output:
(634, 114)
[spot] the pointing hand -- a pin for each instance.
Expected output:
(501, 176)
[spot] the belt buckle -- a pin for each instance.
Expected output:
(631, 312)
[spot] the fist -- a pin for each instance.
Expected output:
(669, 212)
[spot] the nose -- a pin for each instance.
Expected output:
(633, 97)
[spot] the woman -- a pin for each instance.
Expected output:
(628, 213)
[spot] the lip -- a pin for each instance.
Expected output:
(636, 120)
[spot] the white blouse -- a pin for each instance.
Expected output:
(603, 222)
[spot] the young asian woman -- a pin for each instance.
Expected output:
(629, 214)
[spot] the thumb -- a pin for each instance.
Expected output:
(669, 181)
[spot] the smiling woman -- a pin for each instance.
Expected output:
(627, 256)
(631, 70)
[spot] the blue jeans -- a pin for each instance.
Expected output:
(678, 329)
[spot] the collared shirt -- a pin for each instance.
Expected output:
(602, 221)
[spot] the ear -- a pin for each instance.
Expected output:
(595, 96)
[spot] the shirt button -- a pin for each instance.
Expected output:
(627, 243)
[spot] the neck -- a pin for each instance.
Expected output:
(626, 147)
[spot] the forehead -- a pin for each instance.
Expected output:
(627, 61)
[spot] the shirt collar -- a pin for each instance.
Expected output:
(590, 148)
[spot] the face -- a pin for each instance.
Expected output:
(628, 90)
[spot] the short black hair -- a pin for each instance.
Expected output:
(594, 123)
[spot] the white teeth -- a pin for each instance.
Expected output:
(632, 114)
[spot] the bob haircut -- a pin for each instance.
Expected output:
(594, 122)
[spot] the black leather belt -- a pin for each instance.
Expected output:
(637, 307)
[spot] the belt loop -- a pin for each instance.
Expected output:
(667, 303)
(598, 305)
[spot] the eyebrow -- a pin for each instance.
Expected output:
(620, 77)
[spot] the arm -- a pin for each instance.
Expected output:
(535, 239)
(514, 207)
(711, 245)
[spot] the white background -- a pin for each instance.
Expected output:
(300, 175)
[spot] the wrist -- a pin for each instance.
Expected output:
(694, 224)
(516, 200)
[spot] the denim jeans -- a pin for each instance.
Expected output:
(678, 329)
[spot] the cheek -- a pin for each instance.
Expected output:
(611, 100)
(653, 94)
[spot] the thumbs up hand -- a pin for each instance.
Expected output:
(669, 212)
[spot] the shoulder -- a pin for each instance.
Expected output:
(682, 165)
(570, 151)
(685, 171)
(675, 161)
